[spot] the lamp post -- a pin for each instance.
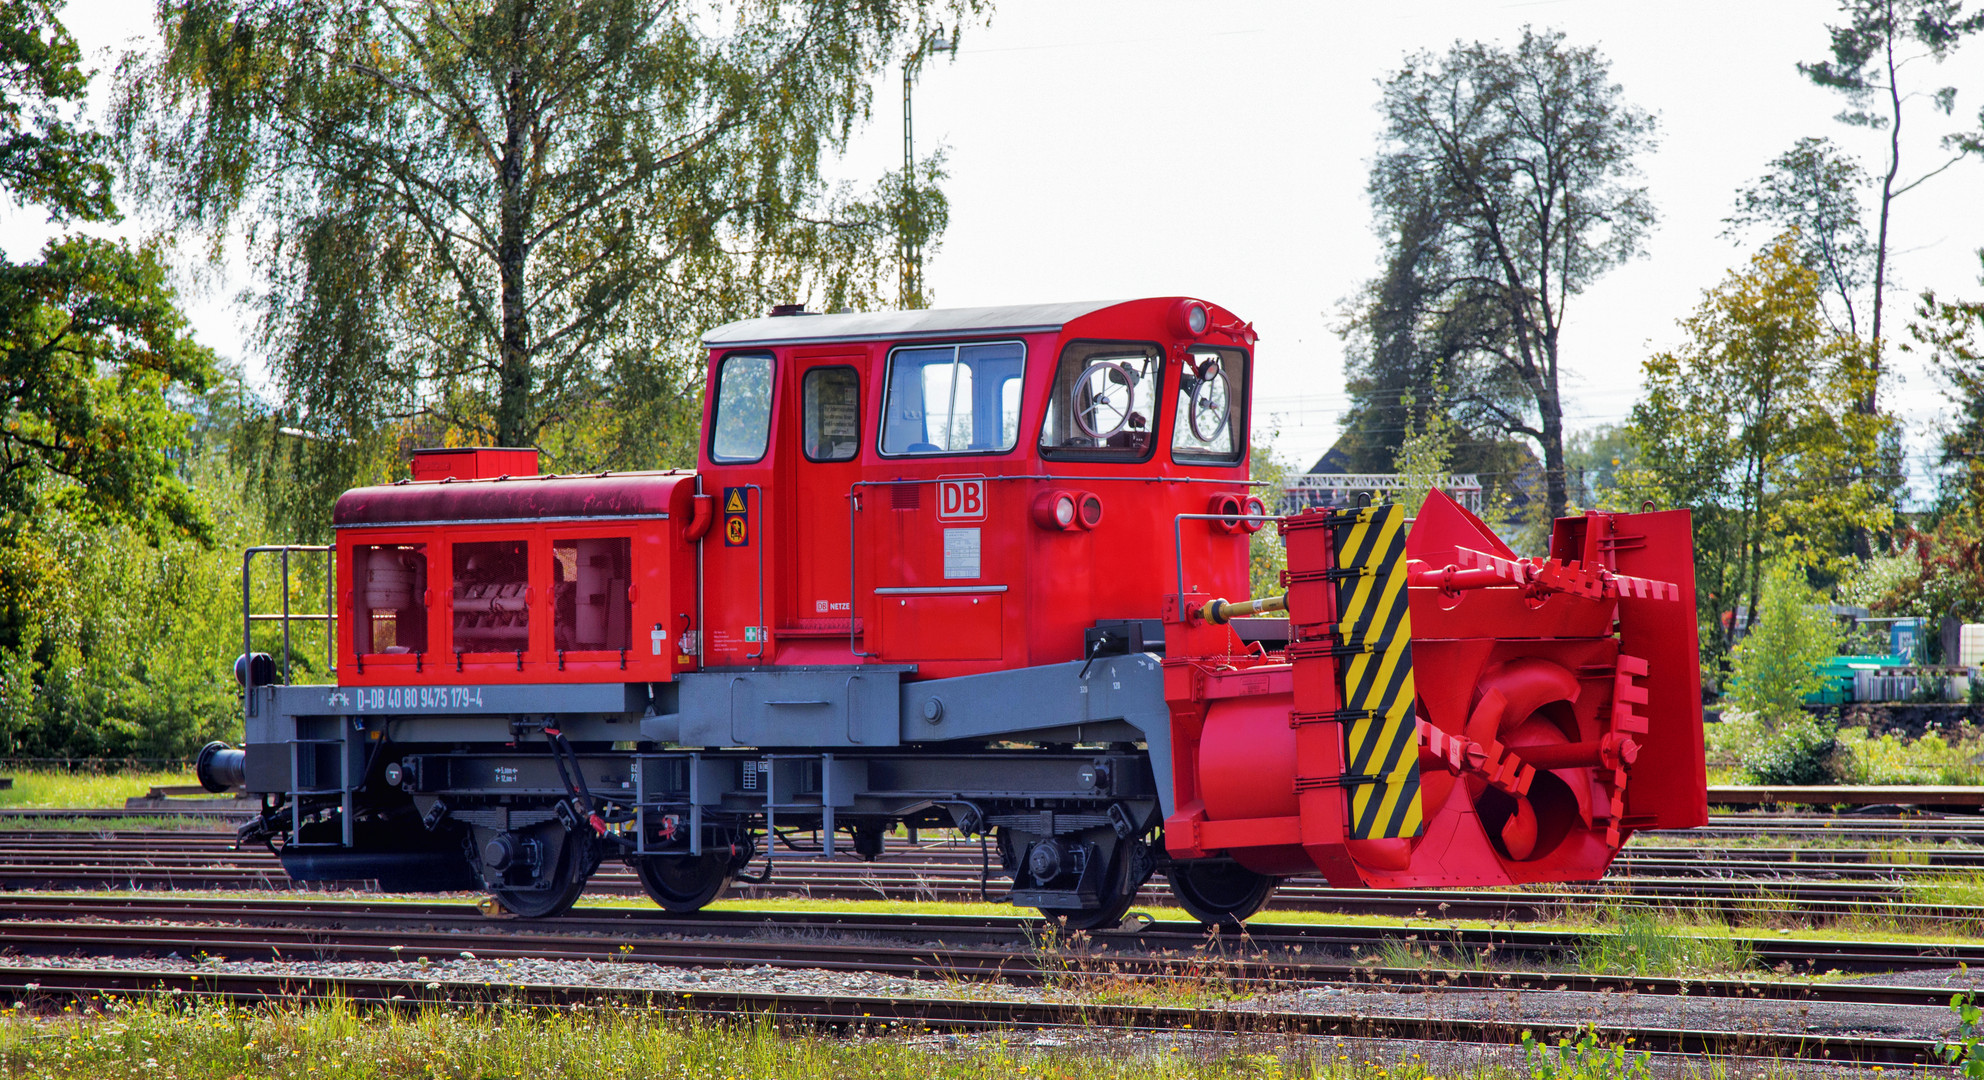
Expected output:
(909, 240)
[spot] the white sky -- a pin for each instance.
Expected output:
(1121, 148)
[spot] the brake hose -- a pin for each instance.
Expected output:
(560, 749)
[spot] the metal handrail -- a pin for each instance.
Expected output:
(854, 507)
(249, 618)
(1178, 535)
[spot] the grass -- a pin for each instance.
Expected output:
(50, 790)
(152, 1040)
(153, 822)
(1639, 942)
(1954, 889)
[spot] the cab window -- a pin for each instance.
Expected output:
(831, 402)
(743, 420)
(390, 602)
(589, 580)
(492, 596)
(953, 399)
(1104, 402)
(1211, 425)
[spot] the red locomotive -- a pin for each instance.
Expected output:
(961, 569)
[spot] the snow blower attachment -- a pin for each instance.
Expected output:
(1447, 713)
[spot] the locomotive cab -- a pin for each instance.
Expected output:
(967, 490)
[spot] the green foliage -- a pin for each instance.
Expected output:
(95, 360)
(1594, 459)
(1640, 942)
(47, 157)
(1753, 423)
(1777, 663)
(1425, 456)
(1403, 351)
(1796, 748)
(121, 640)
(1962, 1052)
(1813, 190)
(1952, 333)
(44, 789)
(1585, 1059)
(1266, 557)
(509, 221)
(1871, 46)
(1505, 186)
(1931, 759)
(158, 1036)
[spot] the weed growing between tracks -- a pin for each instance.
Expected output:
(1640, 943)
(155, 1040)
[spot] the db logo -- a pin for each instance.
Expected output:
(961, 500)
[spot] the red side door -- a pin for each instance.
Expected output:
(820, 449)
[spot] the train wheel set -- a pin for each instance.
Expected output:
(965, 569)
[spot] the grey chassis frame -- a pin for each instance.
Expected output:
(798, 747)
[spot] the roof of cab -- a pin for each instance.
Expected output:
(902, 325)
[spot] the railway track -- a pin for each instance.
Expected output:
(1276, 947)
(1778, 884)
(882, 1013)
(1165, 961)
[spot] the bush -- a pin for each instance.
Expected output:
(114, 643)
(1930, 759)
(1777, 665)
(1798, 748)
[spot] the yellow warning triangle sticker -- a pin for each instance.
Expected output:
(736, 503)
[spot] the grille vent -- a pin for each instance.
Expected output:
(906, 496)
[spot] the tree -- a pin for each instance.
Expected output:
(1522, 161)
(1814, 188)
(101, 648)
(91, 340)
(1869, 50)
(92, 350)
(1777, 663)
(1774, 668)
(1425, 457)
(1403, 352)
(47, 156)
(1595, 457)
(503, 215)
(1752, 423)
(1952, 333)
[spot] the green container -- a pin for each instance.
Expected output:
(1838, 674)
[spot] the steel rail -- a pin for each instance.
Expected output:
(1247, 969)
(1287, 942)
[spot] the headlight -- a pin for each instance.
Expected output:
(1189, 319)
(1054, 510)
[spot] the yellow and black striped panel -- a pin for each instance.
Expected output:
(1381, 757)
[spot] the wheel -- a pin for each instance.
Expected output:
(1219, 893)
(577, 857)
(684, 883)
(1129, 866)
